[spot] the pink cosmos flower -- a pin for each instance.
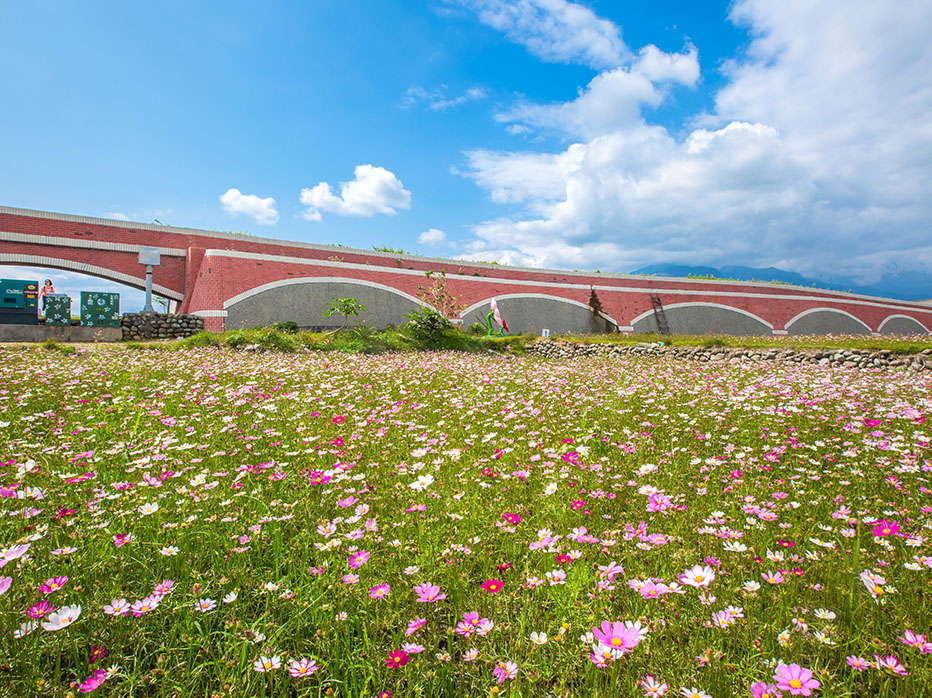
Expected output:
(14, 553)
(117, 607)
(380, 591)
(493, 586)
(428, 593)
(698, 576)
(5, 583)
(412, 648)
(652, 687)
(505, 670)
(164, 588)
(93, 682)
(885, 528)
(359, 559)
(97, 652)
(858, 663)
(892, 663)
(53, 584)
(617, 637)
(795, 679)
(912, 639)
(762, 689)
(40, 609)
(351, 578)
(146, 605)
(415, 625)
(397, 658)
(303, 667)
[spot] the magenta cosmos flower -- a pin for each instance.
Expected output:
(377, 592)
(795, 679)
(398, 658)
(359, 559)
(493, 586)
(616, 636)
(428, 593)
(505, 670)
(886, 528)
(53, 584)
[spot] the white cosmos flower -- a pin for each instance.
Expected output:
(230, 598)
(422, 483)
(169, 550)
(148, 508)
(551, 488)
(264, 664)
(539, 638)
(62, 618)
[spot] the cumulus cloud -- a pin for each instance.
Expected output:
(437, 100)
(432, 236)
(372, 190)
(555, 30)
(261, 210)
(815, 158)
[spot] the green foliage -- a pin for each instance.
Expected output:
(390, 250)
(289, 327)
(201, 339)
(52, 345)
(345, 307)
(428, 326)
(476, 330)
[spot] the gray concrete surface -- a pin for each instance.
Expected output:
(902, 325)
(306, 303)
(827, 322)
(73, 333)
(704, 320)
(532, 314)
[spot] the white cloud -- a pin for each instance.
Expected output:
(437, 100)
(115, 215)
(261, 210)
(555, 30)
(816, 158)
(373, 190)
(432, 236)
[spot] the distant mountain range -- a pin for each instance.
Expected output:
(904, 285)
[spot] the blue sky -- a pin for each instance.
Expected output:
(589, 135)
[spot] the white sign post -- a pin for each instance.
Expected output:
(150, 257)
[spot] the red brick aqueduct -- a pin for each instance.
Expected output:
(243, 281)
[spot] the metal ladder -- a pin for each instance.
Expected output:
(659, 315)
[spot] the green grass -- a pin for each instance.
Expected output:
(263, 474)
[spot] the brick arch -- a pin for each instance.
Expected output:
(844, 318)
(31, 260)
(532, 312)
(303, 300)
(904, 321)
(700, 317)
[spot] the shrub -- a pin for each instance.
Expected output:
(428, 326)
(289, 327)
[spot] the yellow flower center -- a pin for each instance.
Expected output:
(796, 683)
(616, 641)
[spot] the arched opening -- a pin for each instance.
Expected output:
(304, 301)
(826, 321)
(533, 312)
(704, 318)
(901, 324)
(72, 278)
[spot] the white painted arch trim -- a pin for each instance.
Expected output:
(320, 280)
(209, 313)
(803, 314)
(547, 296)
(33, 260)
(906, 317)
(719, 306)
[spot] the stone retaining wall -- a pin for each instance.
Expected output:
(883, 359)
(160, 325)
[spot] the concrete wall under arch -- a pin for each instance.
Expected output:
(826, 321)
(703, 318)
(532, 312)
(304, 301)
(901, 324)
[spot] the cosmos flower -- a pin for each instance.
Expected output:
(379, 591)
(265, 664)
(301, 668)
(428, 593)
(493, 586)
(505, 670)
(795, 679)
(62, 618)
(397, 659)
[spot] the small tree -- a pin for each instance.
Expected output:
(347, 307)
(437, 296)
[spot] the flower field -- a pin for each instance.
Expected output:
(214, 523)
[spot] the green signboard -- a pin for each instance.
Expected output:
(58, 309)
(100, 309)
